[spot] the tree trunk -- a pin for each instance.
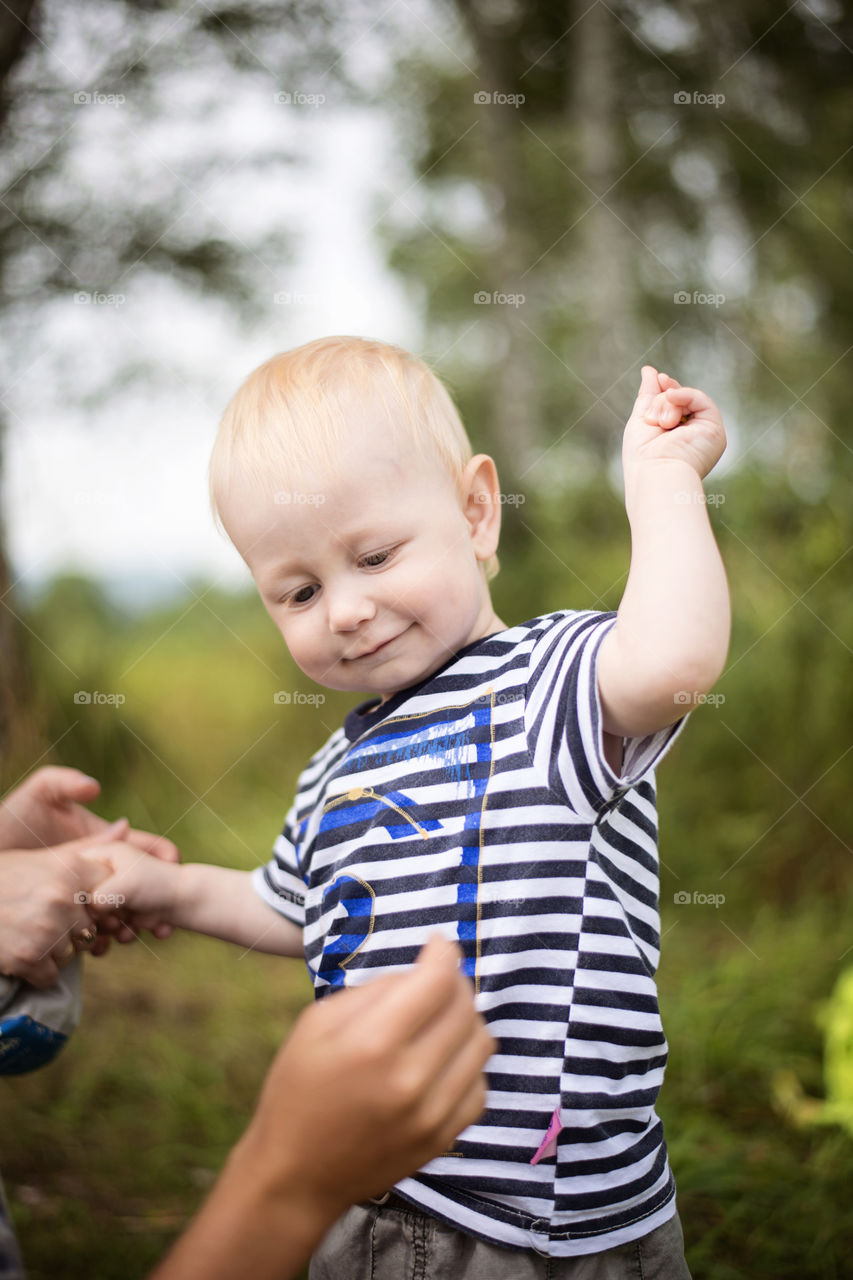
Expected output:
(22, 734)
(609, 346)
(18, 22)
(22, 738)
(515, 410)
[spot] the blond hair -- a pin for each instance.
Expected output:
(291, 414)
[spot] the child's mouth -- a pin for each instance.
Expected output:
(369, 653)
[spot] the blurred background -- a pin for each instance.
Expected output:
(537, 199)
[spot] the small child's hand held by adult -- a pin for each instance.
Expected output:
(44, 908)
(136, 891)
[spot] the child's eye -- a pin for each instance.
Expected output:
(300, 597)
(375, 558)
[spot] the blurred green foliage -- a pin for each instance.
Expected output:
(108, 1151)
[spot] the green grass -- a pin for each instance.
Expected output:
(758, 1196)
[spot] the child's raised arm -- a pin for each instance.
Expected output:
(671, 635)
(215, 900)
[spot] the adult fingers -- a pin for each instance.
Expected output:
(467, 1110)
(453, 1103)
(460, 1076)
(454, 1025)
(40, 973)
(398, 1004)
(81, 933)
(62, 951)
(57, 784)
(157, 846)
(87, 855)
(464, 1068)
(421, 993)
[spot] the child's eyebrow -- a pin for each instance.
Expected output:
(359, 539)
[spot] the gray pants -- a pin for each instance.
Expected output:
(388, 1242)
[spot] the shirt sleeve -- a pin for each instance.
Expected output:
(564, 718)
(279, 882)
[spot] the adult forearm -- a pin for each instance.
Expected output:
(371, 1084)
(249, 1226)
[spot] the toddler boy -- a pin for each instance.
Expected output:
(497, 785)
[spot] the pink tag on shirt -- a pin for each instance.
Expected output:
(548, 1145)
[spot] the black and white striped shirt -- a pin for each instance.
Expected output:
(479, 802)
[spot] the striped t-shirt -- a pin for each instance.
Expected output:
(479, 803)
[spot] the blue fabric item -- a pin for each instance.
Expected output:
(35, 1022)
(26, 1044)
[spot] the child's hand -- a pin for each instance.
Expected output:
(138, 893)
(669, 421)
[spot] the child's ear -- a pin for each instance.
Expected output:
(481, 504)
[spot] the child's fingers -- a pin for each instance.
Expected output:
(677, 405)
(665, 381)
(648, 390)
(648, 387)
(156, 846)
(663, 413)
(689, 398)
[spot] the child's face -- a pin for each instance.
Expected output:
(373, 575)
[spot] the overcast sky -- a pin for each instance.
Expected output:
(119, 491)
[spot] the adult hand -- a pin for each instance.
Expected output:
(43, 896)
(48, 808)
(371, 1084)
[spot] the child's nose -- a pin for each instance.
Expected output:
(348, 608)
